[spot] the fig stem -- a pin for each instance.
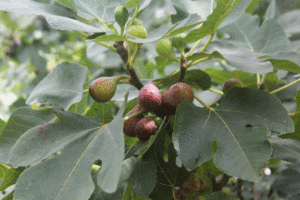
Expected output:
(193, 48)
(136, 51)
(133, 115)
(134, 80)
(134, 15)
(182, 70)
(101, 43)
(124, 82)
(207, 43)
(216, 91)
(85, 91)
(258, 78)
(199, 61)
(200, 101)
(286, 86)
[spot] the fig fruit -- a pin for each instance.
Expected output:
(137, 31)
(104, 88)
(158, 121)
(121, 16)
(145, 128)
(177, 93)
(231, 83)
(149, 97)
(178, 43)
(137, 21)
(165, 49)
(130, 124)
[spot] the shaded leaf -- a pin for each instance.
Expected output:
(62, 87)
(241, 150)
(286, 149)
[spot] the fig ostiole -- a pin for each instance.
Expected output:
(130, 124)
(149, 97)
(231, 83)
(165, 49)
(145, 128)
(104, 88)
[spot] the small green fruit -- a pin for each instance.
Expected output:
(178, 43)
(165, 49)
(231, 83)
(121, 15)
(137, 21)
(158, 121)
(145, 128)
(137, 31)
(103, 89)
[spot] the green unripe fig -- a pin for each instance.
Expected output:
(158, 121)
(165, 49)
(145, 128)
(130, 124)
(231, 83)
(270, 80)
(137, 31)
(137, 21)
(104, 88)
(177, 93)
(178, 43)
(149, 97)
(121, 16)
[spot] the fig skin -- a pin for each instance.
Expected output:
(149, 97)
(130, 124)
(177, 93)
(231, 83)
(137, 31)
(104, 88)
(145, 128)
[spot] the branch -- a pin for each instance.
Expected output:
(224, 180)
(286, 86)
(134, 80)
(182, 70)
(238, 188)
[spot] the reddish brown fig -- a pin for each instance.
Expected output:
(149, 97)
(165, 109)
(130, 124)
(231, 83)
(177, 93)
(145, 128)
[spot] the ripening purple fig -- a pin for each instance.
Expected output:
(130, 124)
(145, 128)
(149, 97)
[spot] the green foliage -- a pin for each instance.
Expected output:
(57, 143)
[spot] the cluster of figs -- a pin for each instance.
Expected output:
(150, 99)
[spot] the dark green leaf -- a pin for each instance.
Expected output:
(242, 149)
(286, 149)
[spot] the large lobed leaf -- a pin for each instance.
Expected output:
(70, 147)
(239, 125)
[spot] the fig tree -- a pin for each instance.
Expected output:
(130, 124)
(121, 16)
(103, 89)
(165, 49)
(177, 93)
(145, 128)
(137, 31)
(149, 97)
(231, 83)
